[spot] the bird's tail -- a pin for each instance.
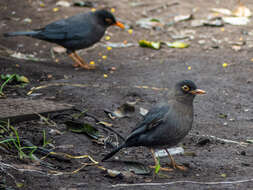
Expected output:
(113, 152)
(21, 33)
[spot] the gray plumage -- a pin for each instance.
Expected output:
(166, 124)
(76, 32)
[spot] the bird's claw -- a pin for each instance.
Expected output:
(162, 169)
(85, 66)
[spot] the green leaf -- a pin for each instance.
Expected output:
(158, 166)
(150, 44)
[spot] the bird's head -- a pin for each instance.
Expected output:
(187, 90)
(107, 19)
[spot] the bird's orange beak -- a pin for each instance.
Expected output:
(119, 24)
(198, 91)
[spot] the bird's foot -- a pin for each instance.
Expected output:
(89, 67)
(85, 66)
(162, 169)
(75, 65)
(182, 168)
(179, 167)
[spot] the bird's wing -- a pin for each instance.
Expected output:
(71, 28)
(154, 118)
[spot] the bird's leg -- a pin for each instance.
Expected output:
(154, 157)
(157, 162)
(74, 58)
(78, 62)
(83, 63)
(174, 164)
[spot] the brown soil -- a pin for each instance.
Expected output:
(229, 92)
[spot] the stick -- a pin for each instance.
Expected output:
(221, 139)
(177, 182)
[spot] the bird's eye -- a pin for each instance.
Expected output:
(186, 88)
(108, 20)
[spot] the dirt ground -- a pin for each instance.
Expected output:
(137, 71)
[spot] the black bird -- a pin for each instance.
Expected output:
(74, 33)
(166, 124)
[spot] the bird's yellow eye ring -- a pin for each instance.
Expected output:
(186, 88)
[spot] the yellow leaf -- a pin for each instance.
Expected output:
(112, 10)
(109, 48)
(24, 79)
(177, 45)
(104, 57)
(223, 175)
(130, 31)
(224, 65)
(92, 63)
(107, 38)
(105, 75)
(55, 9)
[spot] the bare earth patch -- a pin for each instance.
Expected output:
(132, 74)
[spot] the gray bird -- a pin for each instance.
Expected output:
(165, 125)
(74, 33)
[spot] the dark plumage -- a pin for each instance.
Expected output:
(74, 33)
(166, 124)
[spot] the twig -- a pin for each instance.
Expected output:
(191, 182)
(221, 139)
(18, 169)
(92, 86)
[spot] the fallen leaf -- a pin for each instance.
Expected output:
(120, 174)
(224, 65)
(236, 20)
(19, 55)
(27, 20)
(130, 31)
(111, 45)
(84, 4)
(249, 141)
(181, 18)
(222, 11)
(105, 123)
(63, 4)
(177, 44)
(143, 111)
(150, 44)
(172, 151)
(112, 10)
(55, 9)
(149, 23)
(109, 48)
(107, 38)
